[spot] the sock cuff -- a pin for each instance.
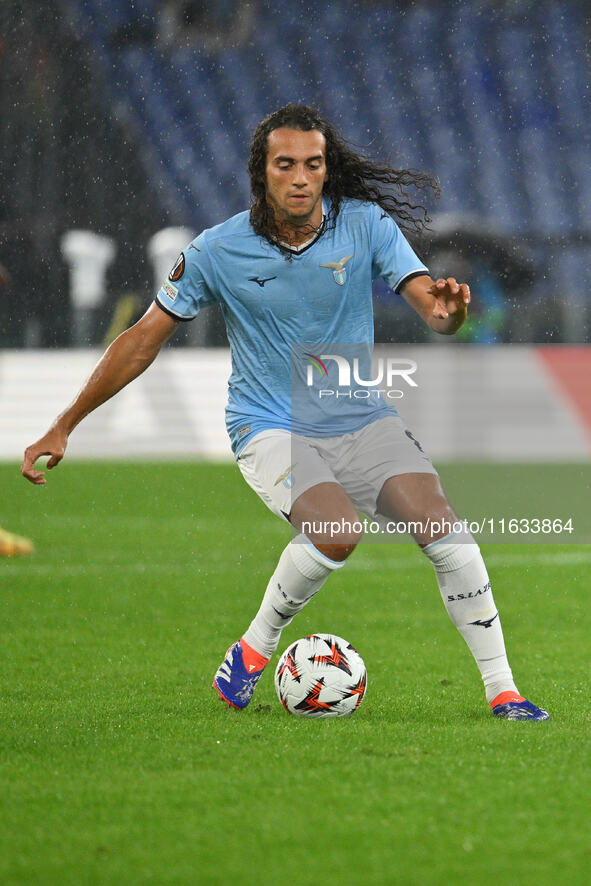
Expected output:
(449, 553)
(252, 658)
(309, 560)
(505, 697)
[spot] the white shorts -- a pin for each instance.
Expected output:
(280, 466)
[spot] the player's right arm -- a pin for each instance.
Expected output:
(129, 355)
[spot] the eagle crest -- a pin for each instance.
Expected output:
(339, 271)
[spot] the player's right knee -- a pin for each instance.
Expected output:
(314, 561)
(317, 560)
(341, 533)
(336, 552)
(340, 540)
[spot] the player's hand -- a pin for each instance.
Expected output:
(451, 297)
(53, 444)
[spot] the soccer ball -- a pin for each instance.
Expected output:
(320, 676)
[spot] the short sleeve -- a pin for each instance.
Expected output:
(187, 288)
(393, 259)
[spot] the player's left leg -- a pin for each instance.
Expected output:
(419, 500)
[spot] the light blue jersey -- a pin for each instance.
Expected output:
(284, 312)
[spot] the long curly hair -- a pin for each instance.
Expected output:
(349, 175)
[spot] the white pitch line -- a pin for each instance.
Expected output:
(560, 558)
(359, 564)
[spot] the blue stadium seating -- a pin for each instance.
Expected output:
(492, 98)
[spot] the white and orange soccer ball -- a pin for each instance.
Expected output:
(321, 676)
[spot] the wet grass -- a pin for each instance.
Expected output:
(120, 766)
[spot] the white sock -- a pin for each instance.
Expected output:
(467, 595)
(300, 573)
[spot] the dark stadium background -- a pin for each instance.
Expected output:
(126, 117)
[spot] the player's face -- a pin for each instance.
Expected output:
(296, 172)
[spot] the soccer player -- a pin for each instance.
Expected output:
(291, 275)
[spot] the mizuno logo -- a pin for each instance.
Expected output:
(486, 623)
(261, 281)
(195, 248)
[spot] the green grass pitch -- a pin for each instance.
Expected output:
(120, 765)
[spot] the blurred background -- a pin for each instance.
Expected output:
(125, 131)
(124, 118)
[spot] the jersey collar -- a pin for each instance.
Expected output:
(297, 250)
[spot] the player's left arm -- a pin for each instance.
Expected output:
(443, 304)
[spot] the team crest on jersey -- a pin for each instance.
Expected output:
(339, 271)
(179, 269)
